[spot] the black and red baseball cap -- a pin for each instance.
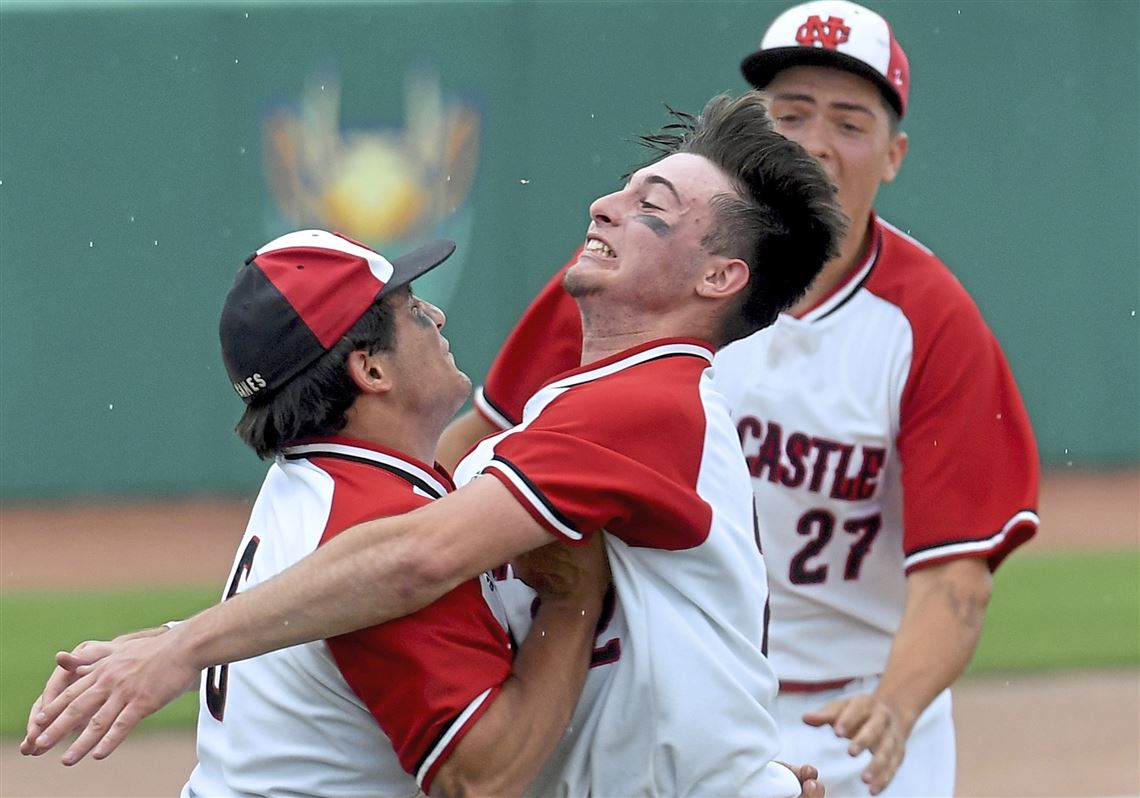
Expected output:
(298, 295)
(835, 33)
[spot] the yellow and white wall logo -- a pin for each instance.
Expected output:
(392, 186)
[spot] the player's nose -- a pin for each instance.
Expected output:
(435, 314)
(605, 210)
(812, 137)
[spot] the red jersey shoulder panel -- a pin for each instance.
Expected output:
(620, 452)
(546, 341)
(969, 459)
(417, 674)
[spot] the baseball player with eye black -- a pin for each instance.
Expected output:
(891, 455)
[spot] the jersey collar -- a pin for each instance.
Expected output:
(634, 356)
(852, 282)
(433, 480)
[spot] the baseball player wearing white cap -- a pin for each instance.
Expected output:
(676, 702)
(891, 455)
(347, 383)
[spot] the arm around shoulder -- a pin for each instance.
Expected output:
(505, 749)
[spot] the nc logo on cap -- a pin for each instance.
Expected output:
(817, 33)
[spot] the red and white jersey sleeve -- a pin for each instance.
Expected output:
(546, 341)
(375, 712)
(883, 432)
(639, 446)
(969, 458)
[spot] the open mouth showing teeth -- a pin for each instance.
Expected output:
(594, 245)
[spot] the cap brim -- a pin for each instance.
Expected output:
(416, 263)
(760, 67)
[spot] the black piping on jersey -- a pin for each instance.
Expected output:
(404, 475)
(537, 493)
(431, 749)
(866, 277)
(438, 745)
(983, 539)
(514, 421)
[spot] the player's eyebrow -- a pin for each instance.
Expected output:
(840, 105)
(795, 98)
(659, 180)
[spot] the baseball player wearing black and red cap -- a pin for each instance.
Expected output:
(891, 455)
(347, 383)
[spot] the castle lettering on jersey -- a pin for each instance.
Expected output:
(820, 464)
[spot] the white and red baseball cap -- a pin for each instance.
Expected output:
(298, 295)
(834, 33)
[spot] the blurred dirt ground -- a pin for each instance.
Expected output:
(1074, 734)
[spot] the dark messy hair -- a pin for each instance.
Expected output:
(315, 401)
(784, 221)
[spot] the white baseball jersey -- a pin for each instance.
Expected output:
(890, 387)
(640, 445)
(372, 713)
(884, 433)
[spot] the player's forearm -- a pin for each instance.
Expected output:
(367, 575)
(940, 629)
(505, 750)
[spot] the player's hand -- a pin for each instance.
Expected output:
(872, 725)
(69, 667)
(561, 572)
(111, 695)
(61, 678)
(810, 785)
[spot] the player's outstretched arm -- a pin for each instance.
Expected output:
(507, 747)
(941, 625)
(369, 574)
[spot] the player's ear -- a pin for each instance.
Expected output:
(723, 277)
(896, 152)
(369, 372)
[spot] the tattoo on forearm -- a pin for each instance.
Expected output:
(965, 607)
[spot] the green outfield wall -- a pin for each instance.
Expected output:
(147, 148)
